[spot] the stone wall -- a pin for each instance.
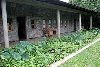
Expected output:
(13, 35)
(32, 33)
(69, 27)
(37, 32)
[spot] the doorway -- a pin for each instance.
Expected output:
(21, 27)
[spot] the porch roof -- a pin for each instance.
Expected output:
(68, 5)
(55, 4)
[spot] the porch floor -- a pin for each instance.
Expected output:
(29, 40)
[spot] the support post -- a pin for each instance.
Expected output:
(4, 19)
(58, 22)
(90, 22)
(79, 21)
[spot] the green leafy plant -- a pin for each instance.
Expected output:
(6, 55)
(43, 53)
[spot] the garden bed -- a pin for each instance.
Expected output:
(65, 59)
(88, 58)
(44, 53)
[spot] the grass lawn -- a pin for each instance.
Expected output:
(88, 58)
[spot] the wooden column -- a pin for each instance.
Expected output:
(79, 21)
(4, 19)
(90, 22)
(58, 22)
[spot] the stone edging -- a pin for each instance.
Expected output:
(73, 54)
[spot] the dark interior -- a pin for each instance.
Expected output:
(21, 27)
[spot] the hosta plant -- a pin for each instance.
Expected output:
(43, 53)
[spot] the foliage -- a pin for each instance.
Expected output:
(88, 58)
(89, 4)
(43, 53)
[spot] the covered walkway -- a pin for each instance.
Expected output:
(27, 19)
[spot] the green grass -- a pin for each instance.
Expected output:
(88, 58)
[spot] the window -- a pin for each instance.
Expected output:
(65, 23)
(44, 24)
(55, 24)
(71, 23)
(33, 24)
(61, 23)
(9, 23)
(50, 24)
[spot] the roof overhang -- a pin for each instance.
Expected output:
(54, 4)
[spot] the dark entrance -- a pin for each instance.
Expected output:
(21, 27)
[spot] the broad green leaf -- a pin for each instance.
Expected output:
(44, 38)
(2, 57)
(21, 51)
(19, 46)
(39, 43)
(44, 55)
(6, 55)
(46, 60)
(59, 51)
(25, 56)
(29, 48)
(43, 42)
(6, 49)
(34, 43)
(24, 43)
(17, 56)
(11, 51)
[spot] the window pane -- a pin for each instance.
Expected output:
(61, 23)
(55, 24)
(65, 23)
(43, 21)
(33, 24)
(44, 24)
(9, 23)
(32, 21)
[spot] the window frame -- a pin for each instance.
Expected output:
(9, 24)
(55, 23)
(44, 24)
(50, 24)
(65, 23)
(33, 24)
(61, 23)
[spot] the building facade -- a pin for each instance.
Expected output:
(30, 18)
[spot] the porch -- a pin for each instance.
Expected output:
(13, 43)
(28, 19)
